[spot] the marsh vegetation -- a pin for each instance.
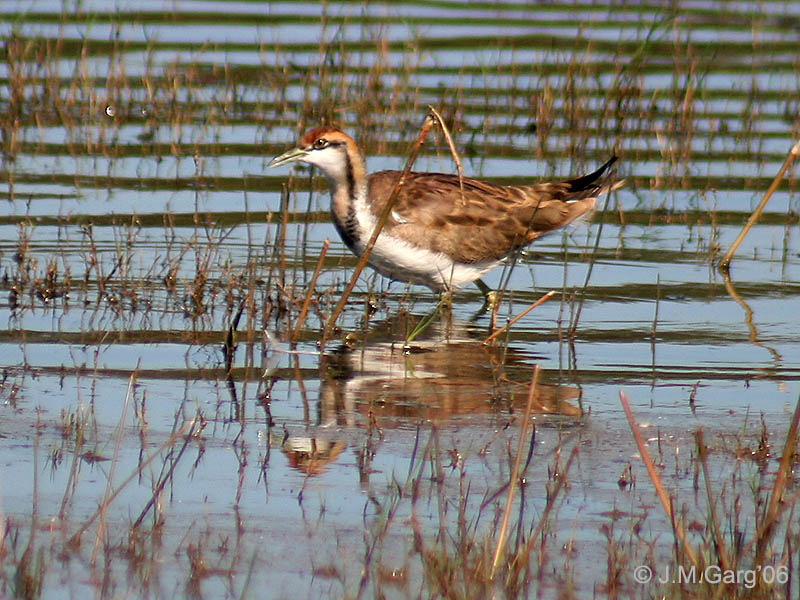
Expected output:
(170, 423)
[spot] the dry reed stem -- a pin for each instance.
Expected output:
(501, 538)
(724, 265)
(767, 526)
(453, 151)
(540, 301)
(425, 129)
(666, 501)
(307, 302)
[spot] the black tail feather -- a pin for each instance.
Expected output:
(580, 184)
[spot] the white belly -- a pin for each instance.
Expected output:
(398, 259)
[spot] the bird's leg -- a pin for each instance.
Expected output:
(446, 311)
(491, 298)
(446, 298)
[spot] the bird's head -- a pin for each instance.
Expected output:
(328, 148)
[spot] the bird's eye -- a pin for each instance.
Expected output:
(320, 143)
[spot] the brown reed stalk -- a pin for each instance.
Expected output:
(501, 537)
(453, 151)
(429, 122)
(666, 501)
(725, 263)
(307, 302)
(540, 301)
(767, 526)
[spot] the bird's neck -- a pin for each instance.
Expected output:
(349, 206)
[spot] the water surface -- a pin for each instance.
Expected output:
(138, 217)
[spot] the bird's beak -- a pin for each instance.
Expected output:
(287, 157)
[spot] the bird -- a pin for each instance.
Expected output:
(444, 231)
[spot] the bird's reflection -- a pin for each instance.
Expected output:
(445, 375)
(311, 454)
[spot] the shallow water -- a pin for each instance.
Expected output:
(134, 172)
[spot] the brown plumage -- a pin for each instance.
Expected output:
(435, 235)
(489, 223)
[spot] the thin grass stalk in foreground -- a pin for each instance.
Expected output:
(541, 300)
(523, 558)
(725, 264)
(114, 461)
(249, 576)
(387, 210)
(187, 427)
(577, 317)
(654, 477)
(767, 526)
(301, 319)
(28, 576)
(722, 552)
(437, 473)
(163, 482)
(373, 546)
(425, 323)
(69, 489)
(501, 538)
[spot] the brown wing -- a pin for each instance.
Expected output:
(490, 221)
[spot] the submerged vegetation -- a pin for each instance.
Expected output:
(171, 423)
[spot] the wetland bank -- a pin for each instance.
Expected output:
(139, 227)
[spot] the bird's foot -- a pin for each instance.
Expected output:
(492, 300)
